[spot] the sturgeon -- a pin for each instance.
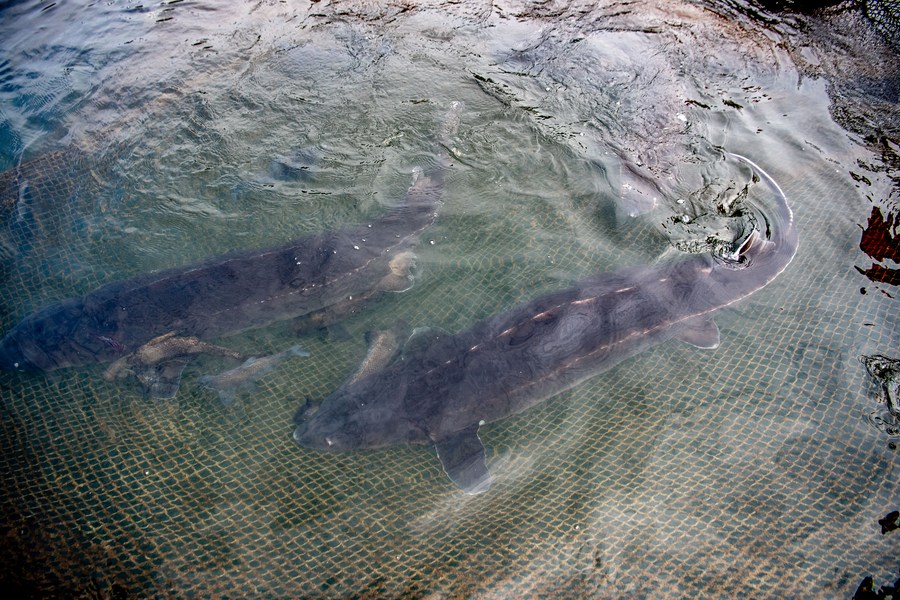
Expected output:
(158, 364)
(441, 392)
(229, 294)
(244, 377)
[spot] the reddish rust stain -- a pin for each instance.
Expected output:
(881, 240)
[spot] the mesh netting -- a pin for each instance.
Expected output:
(689, 479)
(886, 16)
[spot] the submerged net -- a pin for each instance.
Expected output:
(686, 480)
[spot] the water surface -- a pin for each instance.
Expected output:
(142, 137)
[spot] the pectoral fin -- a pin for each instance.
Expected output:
(401, 276)
(384, 347)
(462, 457)
(702, 333)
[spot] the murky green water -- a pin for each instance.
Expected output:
(146, 137)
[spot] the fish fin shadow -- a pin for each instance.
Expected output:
(335, 332)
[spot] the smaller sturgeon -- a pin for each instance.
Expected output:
(158, 364)
(230, 383)
(163, 348)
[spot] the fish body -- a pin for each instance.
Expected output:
(445, 387)
(223, 296)
(397, 280)
(229, 294)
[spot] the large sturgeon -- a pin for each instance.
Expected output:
(441, 392)
(229, 294)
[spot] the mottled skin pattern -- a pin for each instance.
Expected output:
(164, 348)
(505, 364)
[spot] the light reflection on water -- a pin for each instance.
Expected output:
(671, 474)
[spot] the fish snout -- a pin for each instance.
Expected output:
(324, 430)
(303, 437)
(308, 436)
(12, 358)
(306, 432)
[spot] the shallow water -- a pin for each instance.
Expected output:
(138, 138)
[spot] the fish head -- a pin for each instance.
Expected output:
(55, 337)
(368, 414)
(329, 430)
